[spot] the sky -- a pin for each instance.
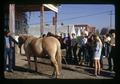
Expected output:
(97, 15)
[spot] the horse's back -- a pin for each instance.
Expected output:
(51, 40)
(36, 45)
(50, 44)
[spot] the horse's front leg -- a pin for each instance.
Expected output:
(20, 49)
(28, 59)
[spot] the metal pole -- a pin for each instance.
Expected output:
(41, 19)
(110, 19)
(68, 29)
(55, 22)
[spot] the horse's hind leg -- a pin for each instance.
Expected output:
(54, 74)
(56, 69)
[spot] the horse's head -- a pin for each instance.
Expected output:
(21, 39)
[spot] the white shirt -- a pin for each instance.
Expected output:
(108, 39)
(86, 32)
(85, 40)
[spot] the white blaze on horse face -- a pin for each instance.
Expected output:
(16, 38)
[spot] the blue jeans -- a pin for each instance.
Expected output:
(107, 49)
(8, 55)
(13, 57)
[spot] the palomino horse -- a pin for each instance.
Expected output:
(38, 46)
(21, 40)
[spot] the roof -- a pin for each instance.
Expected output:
(32, 7)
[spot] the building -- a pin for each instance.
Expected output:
(64, 29)
(85, 27)
(21, 24)
(35, 30)
(16, 18)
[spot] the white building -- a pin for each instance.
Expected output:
(35, 29)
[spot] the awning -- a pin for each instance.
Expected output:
(52, 7)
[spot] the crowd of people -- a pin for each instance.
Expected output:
(87, 49)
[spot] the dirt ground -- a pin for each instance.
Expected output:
(45, 70)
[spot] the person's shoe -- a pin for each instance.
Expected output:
(10, 70)
(104, 56)
(98, 73)
(6, 69)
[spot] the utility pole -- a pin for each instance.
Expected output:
(110, 19)
(55, 22)
(68, 29)
(41, 19)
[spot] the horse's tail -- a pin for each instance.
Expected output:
(59, 58)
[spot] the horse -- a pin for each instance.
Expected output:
(21, 41)
(38, 46)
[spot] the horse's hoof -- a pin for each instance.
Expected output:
(56, 77)
(53, 77)
(59, 77)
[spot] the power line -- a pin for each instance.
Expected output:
(111, 18)
(86, 15)
(94, 14)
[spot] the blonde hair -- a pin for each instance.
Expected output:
(98, 39)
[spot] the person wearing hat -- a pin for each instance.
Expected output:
(8, 51)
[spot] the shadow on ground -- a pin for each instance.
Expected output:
(22, 69)
(104, 73)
